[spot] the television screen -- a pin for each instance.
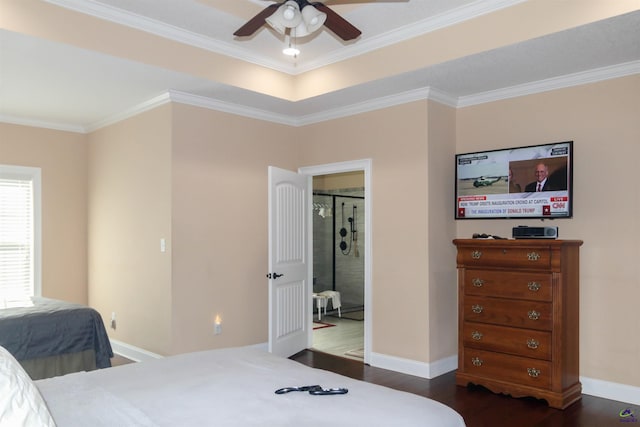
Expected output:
(524, 182)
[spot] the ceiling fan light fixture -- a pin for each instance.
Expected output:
(312, 18)
(312, 21)
(289, 13)
(287, 16)
(290, 50)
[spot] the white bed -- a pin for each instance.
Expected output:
(230, 387)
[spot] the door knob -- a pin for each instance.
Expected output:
(274, 275)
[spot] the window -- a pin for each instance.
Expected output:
(19, 232)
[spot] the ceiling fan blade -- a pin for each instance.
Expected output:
(336, 23)
(257, 21)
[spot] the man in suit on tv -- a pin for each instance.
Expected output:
(541, 183)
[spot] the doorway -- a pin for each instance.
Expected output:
(338, 267)
(340, 219)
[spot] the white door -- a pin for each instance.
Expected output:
(289, 293)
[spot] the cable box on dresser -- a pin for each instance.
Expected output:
(518, 314)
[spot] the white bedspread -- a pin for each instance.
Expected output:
(230, 387)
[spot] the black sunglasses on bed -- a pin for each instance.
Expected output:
(313, 389)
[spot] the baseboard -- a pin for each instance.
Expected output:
(138, 354)
(264, 346)
(131, 352)
(593, 387)
(412, 367)
(608, 390)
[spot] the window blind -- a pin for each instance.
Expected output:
(17, 270)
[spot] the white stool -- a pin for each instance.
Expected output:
(334, 296)
(321, 302)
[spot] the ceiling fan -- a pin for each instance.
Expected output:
(300, 18)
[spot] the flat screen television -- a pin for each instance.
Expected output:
(524, 182)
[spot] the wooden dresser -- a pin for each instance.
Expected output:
(519, 316)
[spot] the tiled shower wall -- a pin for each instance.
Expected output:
(349, 271)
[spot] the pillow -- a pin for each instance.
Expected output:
(20, 401)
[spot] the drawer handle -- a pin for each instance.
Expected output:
(533, 372)
(534, 286)
(532, 343)
(476, 254)
(533, 315)
(533, 256)
(477, 309)
(477, 282)
(476, 361)
(476, 335)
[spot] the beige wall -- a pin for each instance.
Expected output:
(443, 314)
(219, 225)
(602, 120)
(62, 157)
(400, 278)
(194, 176)
(198, 179)
(129, 212)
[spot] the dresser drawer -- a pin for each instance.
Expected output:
(509, 257)
(516, 313)
(508, 368)
(507, 284)
(522, 342)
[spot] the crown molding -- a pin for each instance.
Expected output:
(424, 93)
(162, 29)
(443, 97)
(419, 94)
(26, 121)
(228, 107)
(365, 106)
(234, 50)
(130, 112)
(258, 114)
(569, 80)
(446, 19)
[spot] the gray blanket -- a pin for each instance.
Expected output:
(52, 328)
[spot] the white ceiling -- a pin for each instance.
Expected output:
(55, 85)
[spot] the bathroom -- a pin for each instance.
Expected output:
(338, 261)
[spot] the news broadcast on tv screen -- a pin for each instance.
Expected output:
(523, 182)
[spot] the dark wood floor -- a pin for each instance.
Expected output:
(478, 406)
(118, 360)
